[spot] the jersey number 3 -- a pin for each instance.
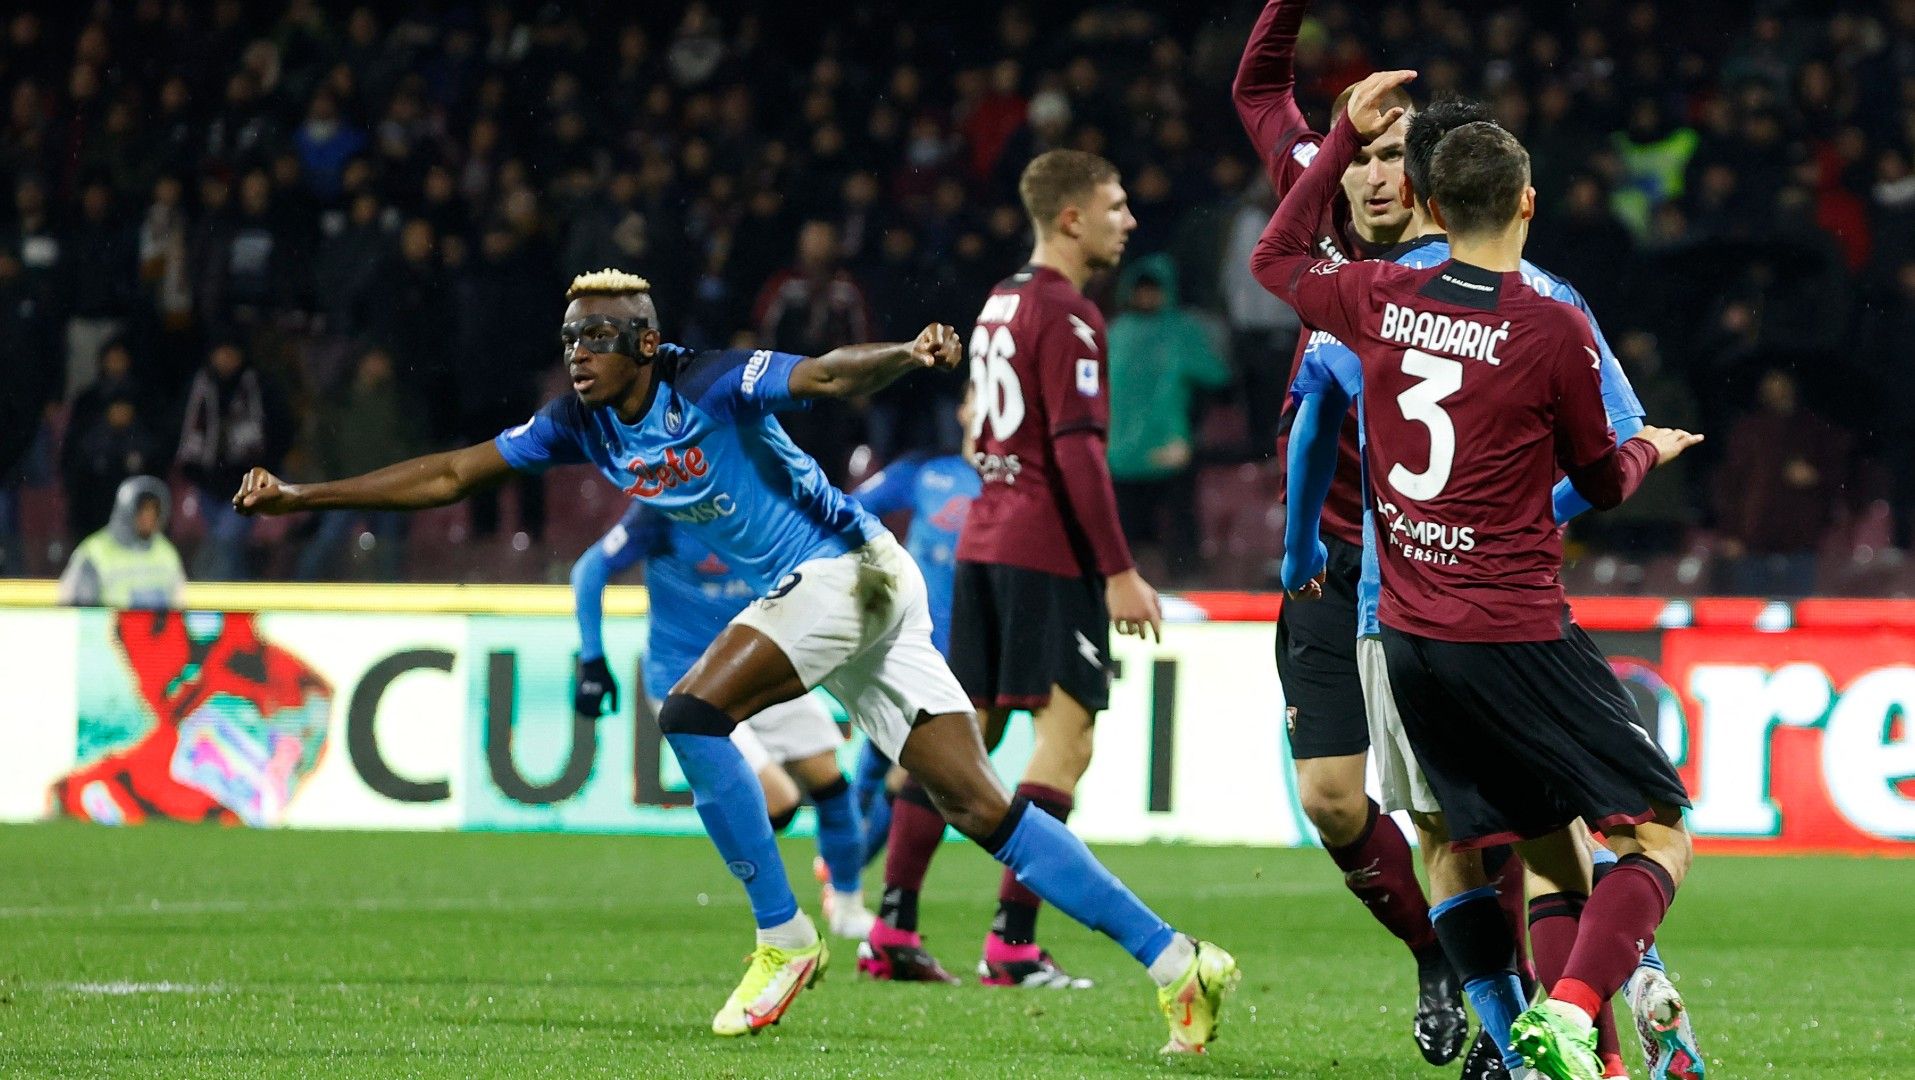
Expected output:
(997, 395)
(1423, 403)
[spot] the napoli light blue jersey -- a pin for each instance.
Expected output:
(709, 455)
(1327, 360)
(693, 592)
(938, 492)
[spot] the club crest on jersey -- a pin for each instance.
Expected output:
(674, 418)
(677, 469)
(1087, 378)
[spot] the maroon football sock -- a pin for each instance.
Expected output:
(1618, 925)
(916, 830)
(1552, 932)
(1016, 920)
(1379, 869)
(1608, 1045)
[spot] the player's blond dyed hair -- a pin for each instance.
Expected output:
(606, 282)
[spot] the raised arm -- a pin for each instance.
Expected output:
(1284, 261)
(856, 370)
(422, 482)
(1265, 90)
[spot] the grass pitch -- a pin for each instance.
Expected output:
(180, 951)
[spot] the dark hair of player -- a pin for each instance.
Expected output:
(1057, 178)
(1479, 173)
(1427, 128)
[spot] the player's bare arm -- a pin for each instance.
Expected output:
(417, 484)
(1264, 90)
(856, 370)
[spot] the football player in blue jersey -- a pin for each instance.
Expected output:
(693, 594)
(842, 606)
(1469, 920)
(936, 489)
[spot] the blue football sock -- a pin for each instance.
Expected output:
(874, 803)
(732, 806)
(877, 826)
(840, 836)
(1476, 939)
(1055, 864)
(1498, 1001)
(1602, 859)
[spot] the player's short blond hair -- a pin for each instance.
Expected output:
(606, 282)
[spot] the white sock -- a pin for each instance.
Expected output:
(1171, 964)
(847, 901)
(792, 934)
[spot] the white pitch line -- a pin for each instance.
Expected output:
(122, 989)
(244, 907)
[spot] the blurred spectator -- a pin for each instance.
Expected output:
(90, 468)
(1656, 519)
(1160, 358)
(234, 421)
(354, 270)
(811, 308)
(129, 563)
(366, 424)
(105, 269)
(326, 143)
(1782, 481)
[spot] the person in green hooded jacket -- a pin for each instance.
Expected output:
(1160, 356)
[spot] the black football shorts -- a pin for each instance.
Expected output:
(1316, 662)
(1519, 738)
(1015, 633)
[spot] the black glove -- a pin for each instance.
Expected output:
(594, 689)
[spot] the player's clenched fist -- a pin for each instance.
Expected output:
(937, 347)
(1365, 100)
(260, 492)
(1669, 442)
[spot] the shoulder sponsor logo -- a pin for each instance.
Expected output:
(754, 370)
(1087, 378)
(1325, 269)
(1595, 361)
(615, 540)
(1304, 153)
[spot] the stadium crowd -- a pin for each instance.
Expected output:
(321, 237)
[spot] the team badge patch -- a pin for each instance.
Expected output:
(674, 418)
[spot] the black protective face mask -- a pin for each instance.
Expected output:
(625, 344)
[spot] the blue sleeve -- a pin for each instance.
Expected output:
(734, 384)
(1327, 362)
(554, 436)
(1618, 398)
(621, 548)
(891, 490)
(1312, 465)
